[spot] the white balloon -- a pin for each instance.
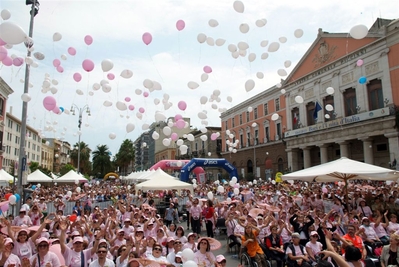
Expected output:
(12, 33)
(250, 109)
(190, 137)
(220, 42)
(138, 91)
(112, 136)
(201, 38)
(236, 191)
(28, 60)
(5, 14)
(96, 86)
(107, 65)
(261, 22)
(229, 99)
(282, 91)
(264, 43)
(54, 91)
(210, 195)
(107, 103)
(192, 85)
(243, 46)
(210, 41)
(145, 126)
(156, 86)
(282, 72)
(249, 85)
(327, 116)
(204, 77)
(203, 100)
(275, 117)
(213, 23)
(244, 28)
(359, 31)
(287, 63)
(167, 131)
(148, 83)
(57, 37)
(260, 75)
(64, 57)
(235, 54)
(156, 101)
(204, 137)
(251, 57)
(242, 53)
(282, 40)
(279, 85)
(329, 107)
(155, 135)
(299, 99)
(238, 6)
(126, 74)
(121, 106)
(38, 55)
(330, 90)
(273, 47)
(298, 33)
(264, 56)
(130, 127)
(106, 88)
(232, 48)
(26, 97)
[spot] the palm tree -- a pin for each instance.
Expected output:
(101, 160)
(85, 165)
(125, 155)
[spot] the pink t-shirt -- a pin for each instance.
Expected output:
(392, 227)
(23, 250)
(12, 259)
(50, 257)
(73, 259)
(18, 221)
(315, 247)
(380, 230)
(200, 258)
(35, 218)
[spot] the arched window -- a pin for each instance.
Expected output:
(280, 165)
(250, 168)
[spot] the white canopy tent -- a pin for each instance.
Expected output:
(38, 177)
(5, 176)
(160, 180)
(71, 177)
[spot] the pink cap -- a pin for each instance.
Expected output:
(139, 229)
(42, 239)
(8, 241)
(77, 239)
(170, 238)
(220, 258)
(314, 233)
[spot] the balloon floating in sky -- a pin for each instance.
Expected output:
(88, 40)
(180, 25)
(207, 69)
(5, 14)
(88, 65)
(238, 6)
(359, 31)
(57, 37)
(49, 103)
(249, 85)
(71, 51)
(299, 99)
(12, 33)
(298, 33)
(359, 63)
(182, 105)
(362, 80)
(147, 38)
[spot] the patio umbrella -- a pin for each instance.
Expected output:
(343, 169)
(255, 212)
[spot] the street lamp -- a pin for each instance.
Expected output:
(254, 125)
(80, 110)
(22, 157)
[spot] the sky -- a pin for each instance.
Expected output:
(173, 59)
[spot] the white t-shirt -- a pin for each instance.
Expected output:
(12, 259)
(23, 250)
(315, 247)
(50, 257)
(200, 258)
(118, 262)
(298, 251)
(107, 263)
(72, 258)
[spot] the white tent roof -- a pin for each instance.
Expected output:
(5, 176)
(160, 180)
(70, 177)
(341, 170)
(38, 176)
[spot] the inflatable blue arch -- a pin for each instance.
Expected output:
(201, 162)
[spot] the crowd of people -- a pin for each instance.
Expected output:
(293, 224)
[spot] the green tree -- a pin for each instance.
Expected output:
(125, 156)
(33, 166)
(66, 168)
(85, 165)
(101, 160)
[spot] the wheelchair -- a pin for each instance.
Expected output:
(247, 261)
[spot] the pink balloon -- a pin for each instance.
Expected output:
(141, 110)
(180, 24)
(236, 186)
(178, 117)
(146, 94)
(60, 69)
(182, 105)
(56, 62)
(18, 61)
(88, 39)
(3, 53)
(88, 65)
(180, 124)
(131, 107)
(77, 77)
(4, 208)
(214, 136)
(56, 110)
(127, 99)
(174, 136)
(7, 61)
(2, 42)
(110, 76)
(72, 51)
(359, 62)
(49, 103)
(207, 69)
(324, 190)
(147, 38)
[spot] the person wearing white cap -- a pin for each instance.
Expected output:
(221, 260)
(22, 219)
(43, 255)
(313, 247)
(127, 227)
(76, 257)
(7, 258)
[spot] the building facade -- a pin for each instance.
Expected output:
(12, 138)
(5, 91)
(60, 154)
(341, 99)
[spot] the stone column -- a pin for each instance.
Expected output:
(292, 156)
(323, 153)
(343, 147)
(393, 143)
(368, 150)
(306, 157)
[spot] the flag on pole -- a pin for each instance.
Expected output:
(316, 110)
